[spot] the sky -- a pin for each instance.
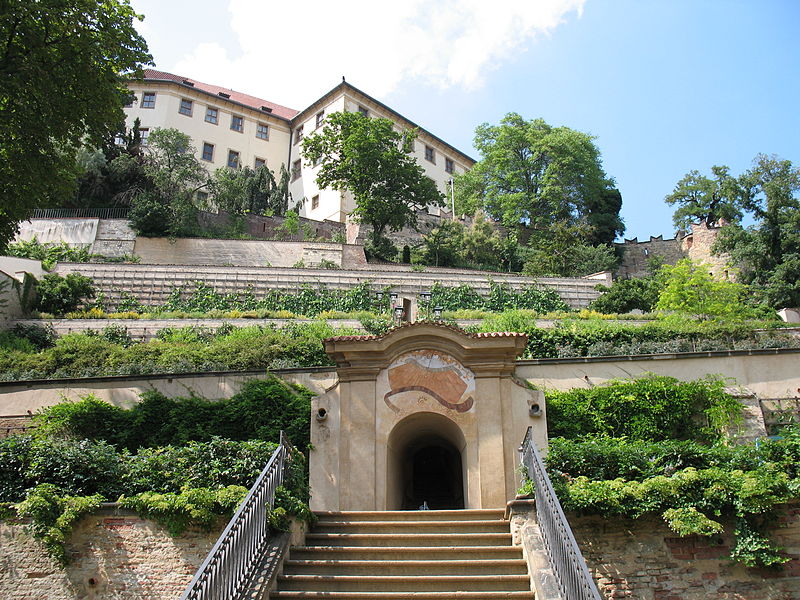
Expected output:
(665, 87)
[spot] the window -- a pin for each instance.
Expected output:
(202, 198)
(237, 123)
(296, 170)
(149, 100)
(233, 159)
(262, 131)
(449, 166)
(363, 110)
(185, 107)
(430, 154)
(208, 151)
(298, 134)
(260, 162)
(320, 118)
(130, 100)
(315, 202)
(120, 140)
(143, 133)
(211, 115)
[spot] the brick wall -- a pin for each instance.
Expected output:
(119, 556)
(644, 559)
(15, 424)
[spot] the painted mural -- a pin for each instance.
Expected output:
(417, 376)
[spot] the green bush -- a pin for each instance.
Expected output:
(649, 408)
(58, 295)
(260, 410)
(501, 297)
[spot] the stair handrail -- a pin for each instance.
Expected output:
(233, 560)
(569, 567)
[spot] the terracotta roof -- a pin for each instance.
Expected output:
(246, 99)
(489, 334)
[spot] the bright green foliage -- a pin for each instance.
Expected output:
(49, 254)
(625, 295)
(501, 297)
(534, 174)
(250, 191)
(561, 251)
(62, 70)
(190, 506)
(260, 410)
(370, 159)
(166, 206)
(442, 247)
(753, 548)
(700, 198)
(57, 295)
(649, 408)
(690, 288)
(768, 253)
(53, 516)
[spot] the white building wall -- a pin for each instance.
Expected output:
(166, 114)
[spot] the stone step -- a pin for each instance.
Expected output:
(460, 566)
(404, 583)
(412, 515)
(430, 553)
(408, 539)
(448, 595)
(407, 527)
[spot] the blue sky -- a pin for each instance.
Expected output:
(665, 87)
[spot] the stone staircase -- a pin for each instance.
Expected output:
(444, 554)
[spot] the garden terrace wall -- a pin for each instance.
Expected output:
(17, 398)
(644, 559)
(152, 284)
(114, 553)
(769, 374)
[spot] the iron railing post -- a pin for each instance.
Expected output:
(233, 559)
(569, 567)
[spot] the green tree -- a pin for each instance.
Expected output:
(250, 191)
(370, 159)
(562, 251)
(768, 253)
(709, 199)
(166, 205)
(63, 65)
(533, 175)
(443, 244)
(689, 288)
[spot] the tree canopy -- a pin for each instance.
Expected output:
(768, 252)
(371, 159)
(709, 199)
(533, 175)
(63, 65)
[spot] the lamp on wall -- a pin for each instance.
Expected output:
(398, 313)
(437, 313)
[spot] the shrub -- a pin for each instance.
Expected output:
(58, 295)
(649, 408)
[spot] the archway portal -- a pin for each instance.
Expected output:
(425, 464)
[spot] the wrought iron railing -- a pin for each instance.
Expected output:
(232, 561)
(118, 212)
(570, 570)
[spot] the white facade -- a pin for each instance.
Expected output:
(229, 128)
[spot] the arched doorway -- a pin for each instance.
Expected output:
(425, 465)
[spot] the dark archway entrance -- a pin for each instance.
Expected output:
(426, 464)
(433, 476)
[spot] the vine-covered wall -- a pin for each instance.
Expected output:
(120, 556)
(644, 559)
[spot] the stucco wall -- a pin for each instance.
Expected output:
(766, 373)
(115, 555)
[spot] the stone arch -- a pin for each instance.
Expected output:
(426, 462)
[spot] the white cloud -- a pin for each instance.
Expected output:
(293, 52)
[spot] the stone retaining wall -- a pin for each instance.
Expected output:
(152, 284)
(114, 554)
(644, 559)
